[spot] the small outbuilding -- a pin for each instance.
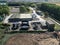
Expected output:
(50, 25)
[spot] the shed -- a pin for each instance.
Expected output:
(50, 25)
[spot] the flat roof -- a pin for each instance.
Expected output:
(21, 16)
(25, 16)
(50, 22)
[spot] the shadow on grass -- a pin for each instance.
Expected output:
(12, 32)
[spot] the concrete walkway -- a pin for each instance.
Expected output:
(6, 19)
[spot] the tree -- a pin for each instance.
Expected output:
(46, 14)
(33, 5)
(4, 10)
(24, 9)
(51, 9)
(38, 6)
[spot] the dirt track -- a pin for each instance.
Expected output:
(32, 39)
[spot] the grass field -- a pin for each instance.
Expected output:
(6, 37)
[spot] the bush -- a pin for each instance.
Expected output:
(4, 10)
(33, 5)
(46, 14)
(24, 9)
(4, 26)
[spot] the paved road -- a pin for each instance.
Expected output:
(6, 19)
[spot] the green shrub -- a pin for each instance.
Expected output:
(33, 5)
(24, 9)
(4, 10)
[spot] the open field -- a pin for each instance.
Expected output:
(32, 39)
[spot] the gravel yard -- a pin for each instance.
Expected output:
(32, 39)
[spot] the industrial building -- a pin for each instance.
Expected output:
(28, 22)
(50, 25)
(23, 21)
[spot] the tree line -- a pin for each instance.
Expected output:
(52, 9)
(4, 11)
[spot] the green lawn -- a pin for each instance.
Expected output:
(57, 27)
(6, 37)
